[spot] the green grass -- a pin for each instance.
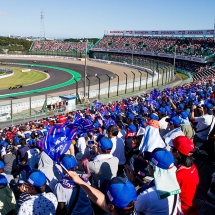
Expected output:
(22, 78)
(183, 76)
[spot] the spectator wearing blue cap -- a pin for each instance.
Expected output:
(20, 193)
(119, 197)
(40, 202)
(7, 198)
(186, 126)
(131, 143)
(174, 124)
(105, 165)
(71, 198)
(205, 123)
(161, 196)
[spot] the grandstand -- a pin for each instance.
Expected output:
(193, 50)
(58, 47)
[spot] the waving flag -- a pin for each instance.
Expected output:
(59, 137)
(57, 141)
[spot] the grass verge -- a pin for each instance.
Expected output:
(21, 78)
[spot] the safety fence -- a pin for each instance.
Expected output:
(141, 79)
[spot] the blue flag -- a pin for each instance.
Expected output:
(57, 141)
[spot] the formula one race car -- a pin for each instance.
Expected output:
(16, 87)
(46, 71)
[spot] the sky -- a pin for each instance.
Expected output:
(90, 18)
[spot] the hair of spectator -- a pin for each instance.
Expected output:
(22, 141)
(113, 129)
(120, 211)
(185, 160)
(119, 124)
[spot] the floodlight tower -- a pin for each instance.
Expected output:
(42, 28)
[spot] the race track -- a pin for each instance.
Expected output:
(56, 76)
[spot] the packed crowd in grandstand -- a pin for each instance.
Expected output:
(54, 46)
(97, 160)
(198, 47)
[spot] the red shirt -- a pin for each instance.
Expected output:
(188, 179)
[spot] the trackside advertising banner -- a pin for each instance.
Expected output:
(209, 32)
(180, 57)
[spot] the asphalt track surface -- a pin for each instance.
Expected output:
(56, 77)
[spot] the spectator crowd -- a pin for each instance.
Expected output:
(59, 46)
(197, 46)
(133, 156)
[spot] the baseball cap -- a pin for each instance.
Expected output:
(181, 106)
(36, 178)
(162, 158)
(3, 181)
(208, 106)
(162, 110)
(105, 144)
(69, 162)
(131, 116)
(83, 135)
(184, 114)
(132, 128)
(20, 182)
(27, 135)
(174, 121)
(184, 145)
(121, 192)
(96, 125)
(154, 116)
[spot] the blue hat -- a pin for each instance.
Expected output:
(162, 158)
(132, 128)
(174, 120)
(27, 135)
(131, 116)
(69, 162)
(181, 106)
(105, 144)
(121, 192)
(162, 110)
(36, 178)
(184, 114)
(154, 116)
(31, 141)
(83, 135)
(39, 132)
(1, 165)
(19, 182)
(3, 181)
(96, 124)
(208, 106)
